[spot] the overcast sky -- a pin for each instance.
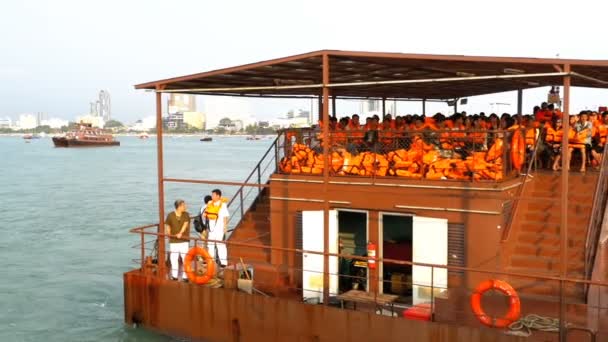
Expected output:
(56, 55)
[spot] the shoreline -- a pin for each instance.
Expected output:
(153, 135)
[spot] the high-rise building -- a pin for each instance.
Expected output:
(6, 123)
(194, 119)
(27, 121)
(181, 103)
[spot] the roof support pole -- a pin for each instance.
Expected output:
(333, 107)
(320, 102)
(161, 185)
(455, 106)
(520, 103)
(563, 230)
(383, 107)
(325, 179)
(424, 107)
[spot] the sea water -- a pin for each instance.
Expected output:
(65, 216)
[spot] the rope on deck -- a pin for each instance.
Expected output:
(524, 326)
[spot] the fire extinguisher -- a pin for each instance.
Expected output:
(371, 254)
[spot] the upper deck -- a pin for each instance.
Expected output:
(446, 208)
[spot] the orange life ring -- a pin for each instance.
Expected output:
(518, 150)
(192, 276)
(514, 303)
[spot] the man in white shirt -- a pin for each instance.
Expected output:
(217, 213)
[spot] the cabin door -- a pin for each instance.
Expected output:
(312, 264)
(430, 246)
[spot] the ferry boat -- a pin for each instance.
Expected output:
(401, 234)
(85, 136)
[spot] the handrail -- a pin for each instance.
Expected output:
(257, 169)
(448, 144)
(520, 190)
(494, 272)
(596, 217)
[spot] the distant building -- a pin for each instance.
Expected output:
(194, 119)
(181, 103)
(144, 125)
(6, 123)
(369, 108)
(54, 123)
(174, 121)
(27, 121)
(238, 125)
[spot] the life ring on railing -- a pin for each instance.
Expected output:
(192, 275)
(514, 304)
(518, 150)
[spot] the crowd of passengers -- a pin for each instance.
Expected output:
(465, 134)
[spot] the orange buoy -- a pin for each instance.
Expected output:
(514, 304)
(192, 276)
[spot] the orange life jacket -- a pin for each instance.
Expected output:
(212, 210)
(530, 136)
(544, 116)
(550, 136)
(602, 132)
(478, 137)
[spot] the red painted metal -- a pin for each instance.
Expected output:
(160, 176)
(564, 214)
(326, 179)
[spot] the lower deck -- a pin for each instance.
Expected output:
(218, 315)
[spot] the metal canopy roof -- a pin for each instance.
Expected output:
(390, 75)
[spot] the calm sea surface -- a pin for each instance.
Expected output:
(65, 216)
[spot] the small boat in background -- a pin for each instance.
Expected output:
(31, 136)
(207, 139)
(253, 137)
(144, 135)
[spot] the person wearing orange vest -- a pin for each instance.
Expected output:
(217, 213)
(478, 137)
(545, 114)
(554, 138)
(597, 150)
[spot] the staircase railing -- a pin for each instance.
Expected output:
(521, 188)
(245, 196)
(597, 214)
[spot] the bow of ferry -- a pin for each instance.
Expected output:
(381, 255)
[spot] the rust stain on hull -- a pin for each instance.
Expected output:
(183, 309)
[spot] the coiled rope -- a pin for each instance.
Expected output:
(524, 326)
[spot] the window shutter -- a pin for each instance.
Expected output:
(456, 247)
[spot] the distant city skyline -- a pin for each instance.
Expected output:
(60, 58)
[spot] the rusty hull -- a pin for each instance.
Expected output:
(218, 315)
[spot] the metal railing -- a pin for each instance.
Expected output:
(470, 155)
(600, 199)
(245, 196)
(521, 189)
(446, 296)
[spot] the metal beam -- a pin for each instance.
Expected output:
(563, 231)
(383, 108)
(161, 185)
(326, 179)
(520, 96)
(424, 107)
(588, 78)
(357, 84)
